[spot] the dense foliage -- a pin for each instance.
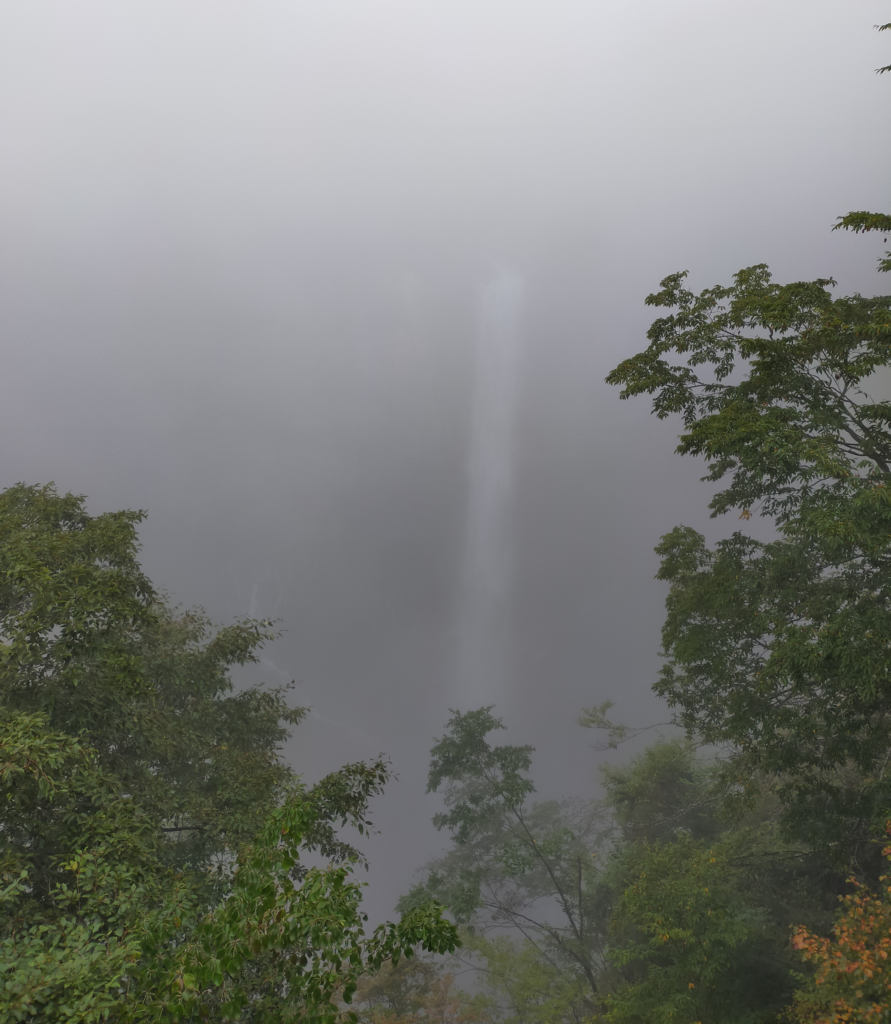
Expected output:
(783, 648)
(151, 837)
(853, 976)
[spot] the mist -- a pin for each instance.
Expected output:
(331, 291)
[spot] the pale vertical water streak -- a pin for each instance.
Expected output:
(484, 611)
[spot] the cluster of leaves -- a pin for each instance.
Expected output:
(151, 837)
(853, 975)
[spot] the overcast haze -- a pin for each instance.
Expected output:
(248, 251)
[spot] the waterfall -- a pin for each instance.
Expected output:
(482, 675)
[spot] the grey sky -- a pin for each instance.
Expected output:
(243, 249)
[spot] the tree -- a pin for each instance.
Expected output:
(782, 649)
(516, 864)
(777, 652)
(150, 834)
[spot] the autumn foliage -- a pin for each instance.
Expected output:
(853, 972)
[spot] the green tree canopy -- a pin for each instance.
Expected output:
(152, 840)
(782, 649)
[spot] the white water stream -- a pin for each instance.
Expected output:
(482, 673)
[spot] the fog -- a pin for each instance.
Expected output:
(256, 259)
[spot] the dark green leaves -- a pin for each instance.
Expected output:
(863, 221)
(860, 220)
(769, 387)
(782, 649)
(491, 780)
